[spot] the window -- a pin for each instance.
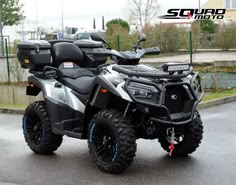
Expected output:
(230, 4)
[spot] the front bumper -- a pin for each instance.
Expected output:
(163, 112)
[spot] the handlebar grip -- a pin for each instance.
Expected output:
(152, 51)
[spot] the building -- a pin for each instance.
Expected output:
(230, 5)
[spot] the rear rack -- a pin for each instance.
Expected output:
(130, 73)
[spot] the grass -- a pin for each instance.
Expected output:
(208, 96)
(219, 94)
(10, 106)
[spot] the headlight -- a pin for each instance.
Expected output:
(175, 67)
(144, 92)
(197, 86)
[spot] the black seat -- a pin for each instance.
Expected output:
(67, 57)
(79, 79)
(66, 52)
(82, 85)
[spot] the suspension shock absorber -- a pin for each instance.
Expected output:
(127, 109)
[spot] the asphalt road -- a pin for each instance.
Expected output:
(214, 163)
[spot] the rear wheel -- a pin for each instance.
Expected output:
(111, 142)
(37, 129)
(186, 140)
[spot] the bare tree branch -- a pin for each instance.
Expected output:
(144, 11)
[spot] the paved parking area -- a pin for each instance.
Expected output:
(214, 163)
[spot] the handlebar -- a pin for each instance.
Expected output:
(152, 51)
(126, 55)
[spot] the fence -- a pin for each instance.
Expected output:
(12, 94)
(2, 48)
(176, 47)
(3, 41)
(15, 73)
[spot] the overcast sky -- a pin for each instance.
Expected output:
(80, 13)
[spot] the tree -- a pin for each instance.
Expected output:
(144, 11)
(124, 24)
(226, 36)
(204, 33)
(195, 27)
(10, 14)
(118, 28)
(171, 37)
(208, 26)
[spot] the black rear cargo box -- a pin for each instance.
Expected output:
(34, 54)
(91, 60)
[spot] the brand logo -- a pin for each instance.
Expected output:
(194, 14)
(174, 97)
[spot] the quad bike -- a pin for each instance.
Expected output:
(110, 105)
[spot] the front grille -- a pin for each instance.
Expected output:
(176, 99)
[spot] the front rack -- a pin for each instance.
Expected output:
(123, 69)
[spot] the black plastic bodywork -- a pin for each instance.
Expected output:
(32, 90)
(34, 54)
(91, 60)
(161, 112)
(64, 120)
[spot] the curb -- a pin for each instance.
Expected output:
(202, 105)
(216, 102)
(11, 111)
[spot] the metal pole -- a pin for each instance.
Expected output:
(103, 23)
(2, 42)
(62, 16)
(36, 18)
(191, 47)
(118, 42)
(7, 56)
(1, 32)
(199, 22)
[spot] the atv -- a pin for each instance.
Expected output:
(109, 104)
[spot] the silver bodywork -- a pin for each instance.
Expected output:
(62, 94)
(119, 78)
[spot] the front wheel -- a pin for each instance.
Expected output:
(37, 129)
(186, 140)
(111, 142)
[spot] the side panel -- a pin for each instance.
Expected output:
(104, 95)
(58, 93)
(59, 111)
(62, 104)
